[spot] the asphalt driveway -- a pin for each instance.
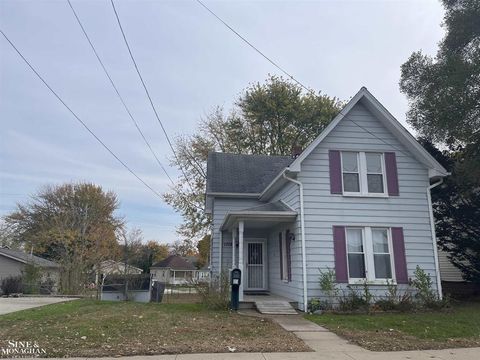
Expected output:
(9, 305)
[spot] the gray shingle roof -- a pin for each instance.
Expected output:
(24, 257)
(237, 173)
(174, 262)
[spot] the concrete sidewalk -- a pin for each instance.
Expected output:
(326, 354)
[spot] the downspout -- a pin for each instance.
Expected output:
(304, 256)
(220, 255)
(434, 236)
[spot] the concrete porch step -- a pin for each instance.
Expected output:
(275, 307)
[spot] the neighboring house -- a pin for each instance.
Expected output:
(448, 271)
(203, 274)
(112, 267)
(453, 282)
(356, 200)
(13, 263)
(177, 270)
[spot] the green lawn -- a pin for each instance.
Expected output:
(87, 328)
(455, 327)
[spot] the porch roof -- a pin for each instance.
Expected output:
(267, 214)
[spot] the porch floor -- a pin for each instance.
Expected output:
(265, 297)
(252, 301)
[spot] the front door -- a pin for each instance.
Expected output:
(255, 257)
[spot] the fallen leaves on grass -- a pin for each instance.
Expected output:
(96, 329)
(393, 340)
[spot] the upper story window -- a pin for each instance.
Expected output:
(363, 173)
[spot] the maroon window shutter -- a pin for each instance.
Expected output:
(289, 256)
(392, 174)
(281, 254)
(398, 242)
(335, 172)
(340, 252)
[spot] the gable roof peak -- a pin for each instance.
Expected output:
(389, 121)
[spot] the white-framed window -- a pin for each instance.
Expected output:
(369, 254)
(363, 173)
(356, 253)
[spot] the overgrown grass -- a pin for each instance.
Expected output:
(84, 328)
(458, 326)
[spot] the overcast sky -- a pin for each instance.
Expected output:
(191, 63)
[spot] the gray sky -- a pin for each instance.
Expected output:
(191, 63)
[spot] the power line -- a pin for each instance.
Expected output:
(276, 64)
(149, 97)
(254, 47)
(78, 118)
(118, 93)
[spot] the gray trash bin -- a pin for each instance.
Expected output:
(158, 290)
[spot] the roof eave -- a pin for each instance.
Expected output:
(392, 124)
(274, 186)
(13, 257)
(246, 215)
(233, 194)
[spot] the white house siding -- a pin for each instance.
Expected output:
(293, 290)
(448, 271)
(323, 210)
(221, 206)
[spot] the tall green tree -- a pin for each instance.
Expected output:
(203, 247)
(444, 91)
(268, 118)
(136, 252)
(72, 224)
(444, 96)
(457, 212)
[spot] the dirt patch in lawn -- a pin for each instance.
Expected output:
(398, 341)
(85, 328)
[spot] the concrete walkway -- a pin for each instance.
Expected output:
(9, 305)
(327, 345)
(316, 337)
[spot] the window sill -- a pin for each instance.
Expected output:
(372, 282)
(384, 196)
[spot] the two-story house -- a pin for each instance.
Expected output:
(356, 200)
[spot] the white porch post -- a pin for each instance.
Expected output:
(234, 234)
(240, 256)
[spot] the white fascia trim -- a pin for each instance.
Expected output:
(434, 237)
(434, 173)
(384, 114)
(296, 165)
(245, 215)
(421, 152)
(288, 206)
(269, 187)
